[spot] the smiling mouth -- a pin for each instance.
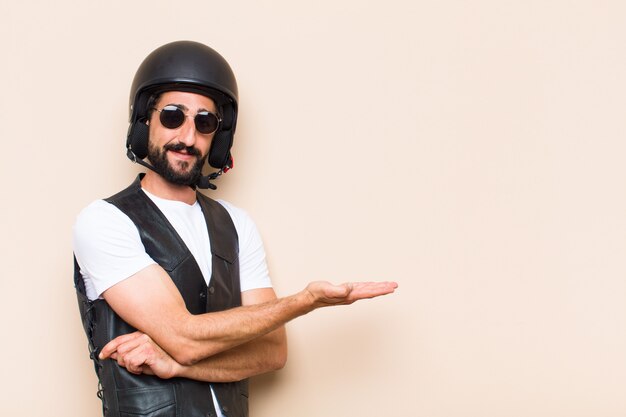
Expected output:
(183, 154)
(181, 151)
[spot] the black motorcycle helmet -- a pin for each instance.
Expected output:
(191, 67)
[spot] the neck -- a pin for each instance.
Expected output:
(160, 187)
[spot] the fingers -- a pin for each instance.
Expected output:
(115, 344)
(363, 290)
(123, 344)
(135, 360)
(142, 356)
(326, 293)
(132, 351)
(138, 353)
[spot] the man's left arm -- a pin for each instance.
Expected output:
(140, 354)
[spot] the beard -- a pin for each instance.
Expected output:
(186, 175)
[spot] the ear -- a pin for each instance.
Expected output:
(137, 139)
(219, 154)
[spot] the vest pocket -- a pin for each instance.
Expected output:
(147, 402)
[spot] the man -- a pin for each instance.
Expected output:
(173, 287)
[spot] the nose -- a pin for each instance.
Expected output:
(187, 132)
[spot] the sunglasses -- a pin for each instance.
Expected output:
(173, 117)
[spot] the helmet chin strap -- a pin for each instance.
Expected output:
(204, 182)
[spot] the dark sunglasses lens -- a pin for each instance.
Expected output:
(206, 122)
(172, 117)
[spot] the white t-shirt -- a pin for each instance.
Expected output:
(108, 247)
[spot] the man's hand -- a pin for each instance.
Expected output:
(326, 294)
(139, 354)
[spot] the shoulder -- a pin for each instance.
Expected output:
(99, 214)
(101, 224)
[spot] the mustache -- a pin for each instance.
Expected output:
(176, 147)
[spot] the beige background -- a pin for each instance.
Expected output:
(471, 150)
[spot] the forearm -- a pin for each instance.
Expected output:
(207, 335)
(258, 356)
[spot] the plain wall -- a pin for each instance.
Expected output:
(471, 150)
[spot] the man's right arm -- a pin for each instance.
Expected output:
(150, 302)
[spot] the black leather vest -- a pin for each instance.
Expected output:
(124, 394)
